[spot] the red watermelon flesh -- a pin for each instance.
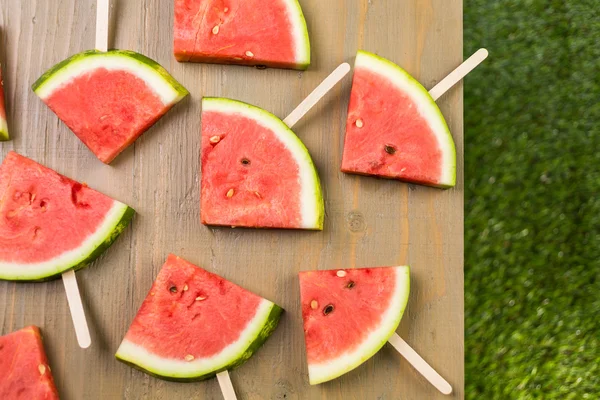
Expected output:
(251, 32)
(108, 99)
(255, 171)
(190, 319)
(45, 216)
(394, 129)
(3, 124)
(348, 315)
(24, 370)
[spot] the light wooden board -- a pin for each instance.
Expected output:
(369, 222)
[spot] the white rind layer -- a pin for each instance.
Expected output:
(31, 271)
(310, 197)
(322, 372)
(113, 62)
(299, 31)
(175, 368)
(425, 104)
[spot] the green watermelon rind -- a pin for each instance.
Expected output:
(264, 330)
(371, 348)
(69, 67)
(303, 60)
(300, 149)
(430, 102)
(3, 130)
(113, 231)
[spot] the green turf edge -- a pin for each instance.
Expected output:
(112, 53)
(266, 331)
(432, 102)
(303, 65)
(119, 228)
(377, 346)
(318, 190)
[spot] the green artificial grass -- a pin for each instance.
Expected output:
(532, 201)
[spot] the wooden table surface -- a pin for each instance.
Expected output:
(369, 222)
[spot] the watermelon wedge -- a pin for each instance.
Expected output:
(49, 223)
(108, 99)
(394, 128)
(247, 32)
(348, 316)
(24, 370)
(3, 125)
(194, 324)
(255, 171)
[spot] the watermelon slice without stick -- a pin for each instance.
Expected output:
(255, 171)
(194, 324)
(49, 223)
(108, 99)
(24, 369)
(349, 314)
(3, 124)
(394, 128)
(247, 32)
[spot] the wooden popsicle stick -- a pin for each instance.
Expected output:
(102, 12)
(459, 73)
(419, 364)
(226, 385)
(77, 314)
(316, 95)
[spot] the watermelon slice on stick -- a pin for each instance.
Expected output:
(246, 32)
(24, 367)
(108, 98)
(3, 124)
(394, 128)
(349, 314)
(194, 325)
(256, 172)
(51, 225)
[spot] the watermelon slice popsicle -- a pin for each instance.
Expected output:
(256, 173)
(108, 98)
(394, 128)
(348, 316)
(217, 325)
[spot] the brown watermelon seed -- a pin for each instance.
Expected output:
(189, 357)
(42, 369)
(261, 66)
(350, 284)
(173, 289)
(359, 123)
(230, 193)
(341, 273)
(249, 53)
(328, 309)
(389, 149)
(215, 139)
(215, 30)
(245, 161)
(314, 304)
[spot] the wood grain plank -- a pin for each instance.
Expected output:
(369, 222)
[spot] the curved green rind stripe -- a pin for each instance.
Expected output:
(432, 102)
(266, 331)
(112, 53)
(306, 41)
(4, 136)
(317, 190)
(118, 229)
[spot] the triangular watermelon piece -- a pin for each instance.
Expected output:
(394, 128)
(247, 32)
(194, 324)
(24, 370)
(108, 99)
(255, 171)
(3, 125)
(49, 223)
(348, 316)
